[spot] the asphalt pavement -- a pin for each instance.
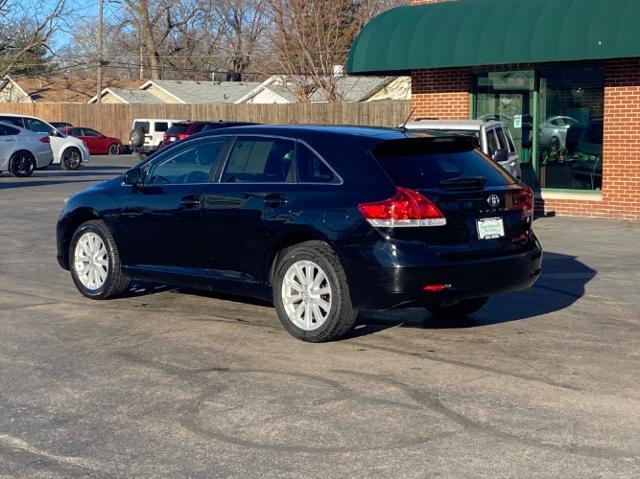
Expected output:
(173, 383)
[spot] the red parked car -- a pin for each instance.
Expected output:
(97, 143)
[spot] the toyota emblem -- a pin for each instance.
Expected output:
(493, 200)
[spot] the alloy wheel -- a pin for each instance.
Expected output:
(306, 295)
(23, 165)
(72, 159)
(91, 261)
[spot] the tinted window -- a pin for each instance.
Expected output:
(420, 165)
(162, 126)
(190, 163)
(75, 132)
(14, 120)
(178, 128)
(260, 160)
(143, 125)
(88, 132)
(471, 133)
(502, 139)
(311, 169)
(492, 143)
(37, 125)
(7, 130)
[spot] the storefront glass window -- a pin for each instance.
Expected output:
(570, 128)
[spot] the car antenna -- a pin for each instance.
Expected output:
(403, 127)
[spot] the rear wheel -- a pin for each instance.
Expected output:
(311, 294)
(71, 159)
(22, 164)
(114, 149)
(458, 308)
(95, 263)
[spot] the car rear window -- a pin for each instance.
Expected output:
(178, 128)
(422, 163)
(143, 125)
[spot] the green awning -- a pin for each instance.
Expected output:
(493, 32)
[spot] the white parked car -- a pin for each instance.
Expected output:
(68, 151)
(22, 151)
(493, 138)
(147, 134)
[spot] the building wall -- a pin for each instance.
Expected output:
(163, 96)
(398, 89)
(12, 94)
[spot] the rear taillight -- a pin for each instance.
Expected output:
(45, 139)
(407, 208)
(182, 136)
(165, 137)
(525, 201)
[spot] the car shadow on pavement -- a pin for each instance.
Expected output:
(561, 284)
(6, 185)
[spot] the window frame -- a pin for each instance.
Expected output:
(218, 178)
(171, 151)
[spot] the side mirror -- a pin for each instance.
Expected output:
(501, 155)
(132, 177)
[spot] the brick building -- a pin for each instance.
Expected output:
(564, 76)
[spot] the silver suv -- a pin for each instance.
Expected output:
(493, 138)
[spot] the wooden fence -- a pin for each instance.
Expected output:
(116, 119)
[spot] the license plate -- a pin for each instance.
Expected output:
(490, 228)
(173, 138)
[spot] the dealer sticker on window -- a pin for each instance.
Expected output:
(490, 228)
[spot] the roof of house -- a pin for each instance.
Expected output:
(130, 95)
(349, 88)
(64, 88)
(191, 91)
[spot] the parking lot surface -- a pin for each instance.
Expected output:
(177, 383)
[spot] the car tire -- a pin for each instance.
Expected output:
(71, 159)
(305, 312)
(22, 164)
(456, 308)
(94, 262)
(136, 137)
(114, 149)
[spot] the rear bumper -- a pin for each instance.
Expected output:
(394, 283)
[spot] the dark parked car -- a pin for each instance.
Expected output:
(184, 129)
(323, 221)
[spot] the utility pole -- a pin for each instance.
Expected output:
(100, 33)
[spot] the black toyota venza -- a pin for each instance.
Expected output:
(322, 221)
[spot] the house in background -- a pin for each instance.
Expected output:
(281, 89)
(189, 91)
(54, 89)
(115, 95)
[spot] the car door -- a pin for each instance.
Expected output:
(253, 201)
(161, 229)
(94, 141)
(7, 143)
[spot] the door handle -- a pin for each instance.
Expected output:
(190, 202)
(275, 200)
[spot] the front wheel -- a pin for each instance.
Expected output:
(22, 164)
(71, 159)
(311, 294)
(457, 308)
(95, 263)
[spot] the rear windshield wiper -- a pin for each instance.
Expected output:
(464, 181)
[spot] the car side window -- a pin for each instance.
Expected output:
(311, 168)
(502, 138)
(37, 125)
(161, 126)
(260, 160)
(76, 132)
(492, 143)
(89, 132)
(188, 164)
(14, 120)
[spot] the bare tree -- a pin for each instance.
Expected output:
(240, 25)
(311, 38)
(23, 32)
(154, 22)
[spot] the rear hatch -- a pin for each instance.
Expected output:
(177, 131)
(487, 211)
